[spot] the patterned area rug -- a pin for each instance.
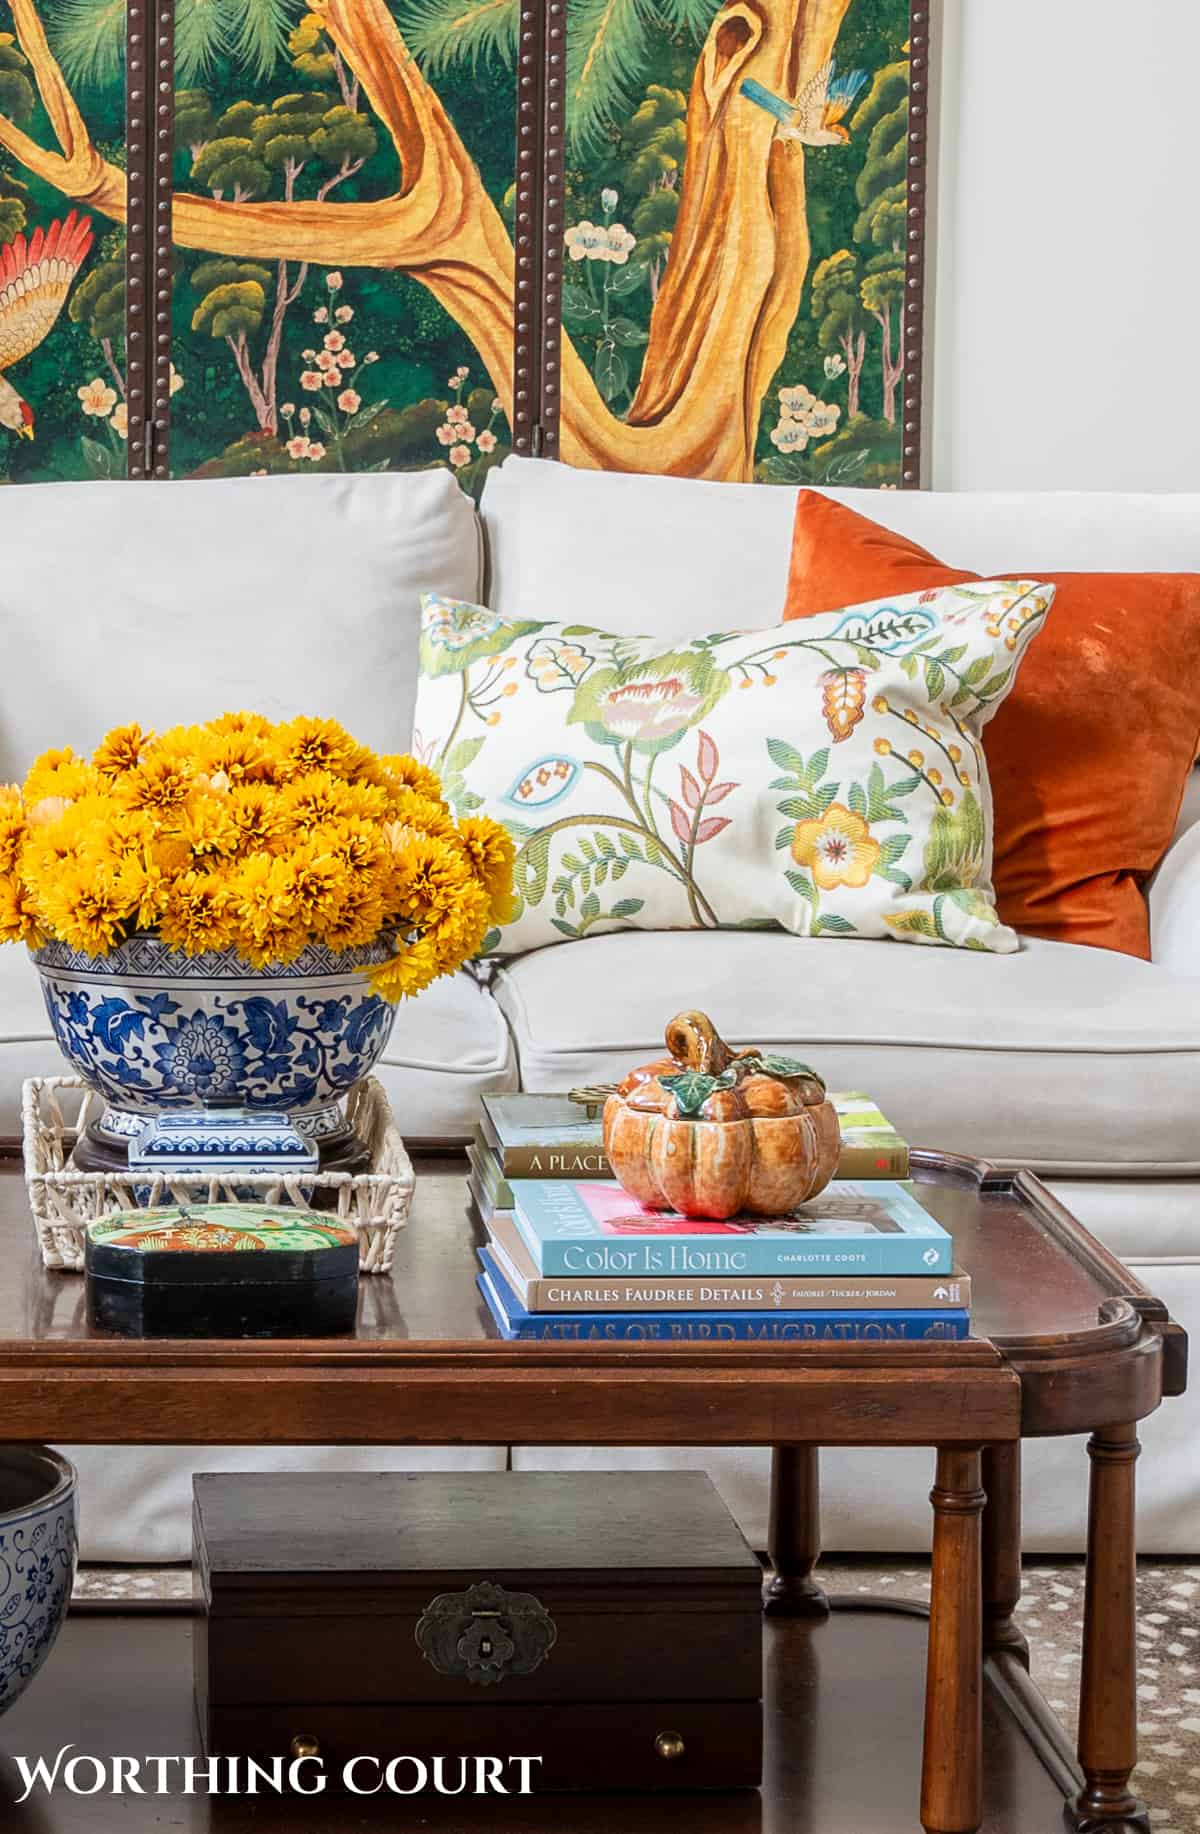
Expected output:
(1051, 1617)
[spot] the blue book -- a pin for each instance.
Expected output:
(514, 1321)
(873, 1227)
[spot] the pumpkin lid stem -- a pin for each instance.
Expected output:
(694, 1041)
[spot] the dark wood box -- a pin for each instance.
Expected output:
(624, 1646)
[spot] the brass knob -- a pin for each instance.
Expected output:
(669, 1745)
(305, 1746)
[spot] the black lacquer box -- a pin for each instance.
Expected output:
(221, 1270)
(608, 1624)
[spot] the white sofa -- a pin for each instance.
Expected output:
(172, 601)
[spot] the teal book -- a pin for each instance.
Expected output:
(873, 1227)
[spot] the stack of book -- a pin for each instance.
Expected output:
(570, 1255)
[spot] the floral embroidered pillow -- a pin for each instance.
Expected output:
(826, 777)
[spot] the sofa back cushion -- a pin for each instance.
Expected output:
(1085, 807)
(167, 602)
(635, 553)
(824, 776)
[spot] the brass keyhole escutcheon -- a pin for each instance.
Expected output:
(305, 1746)
(669, 1745)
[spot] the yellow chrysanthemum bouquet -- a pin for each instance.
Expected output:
(258, 837)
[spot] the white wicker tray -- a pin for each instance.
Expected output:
(64, 1202)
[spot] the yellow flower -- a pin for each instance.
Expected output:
(121, 834)
(317, 745)
(161, 784)
(18, 915)
(256, 812)
(86, 906)
(148, 885)
(262, 900)
(407, 972)
(197, 914)
(255, 724)
(358, 918)
(838, 848)
(414, 810)
(404, 772)
(121, 750)
(427, 876)
(59, 773)
(319, 797)
(491, 851)
(207, 828)
(317, 883)
(241, 757)
(359, 844)
(459, 933)
(12, 833)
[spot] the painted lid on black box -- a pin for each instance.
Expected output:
(210, 1244)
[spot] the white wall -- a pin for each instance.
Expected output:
(1066, 321)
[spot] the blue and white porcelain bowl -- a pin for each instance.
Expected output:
(151, 1029)
(37, 1560)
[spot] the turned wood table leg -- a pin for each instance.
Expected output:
(794, 1534)
(1002, 1550)
(952, 1768)
(1108, 1677)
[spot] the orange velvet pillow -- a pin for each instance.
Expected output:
(1089, 755)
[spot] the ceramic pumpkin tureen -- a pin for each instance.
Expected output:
(710, 1131)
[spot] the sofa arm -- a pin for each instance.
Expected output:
(1174, 900)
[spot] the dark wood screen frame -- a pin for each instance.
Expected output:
(915, 241)
(139, 156)
(149, 259)
(162, 244)
(527, 239)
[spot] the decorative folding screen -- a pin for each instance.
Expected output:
(385, 234)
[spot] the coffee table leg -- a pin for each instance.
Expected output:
(952, 1768)
(1108, 1678)
(1002, 1550)
(794, 1534)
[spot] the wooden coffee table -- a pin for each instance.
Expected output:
(1068, 1342)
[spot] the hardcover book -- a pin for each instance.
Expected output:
(722, 1293)
(514, 1321)
(874, 1227)
(871, 1147)
(544, 1136)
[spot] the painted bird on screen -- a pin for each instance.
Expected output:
(35, 278)
(815, 117)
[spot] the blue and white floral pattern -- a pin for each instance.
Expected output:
(37, 1571)
(150, 1029)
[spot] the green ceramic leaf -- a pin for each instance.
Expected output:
(692, 1088)
(786, 1067)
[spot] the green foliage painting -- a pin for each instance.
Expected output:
(343, 299)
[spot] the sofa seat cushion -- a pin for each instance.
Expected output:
(450, 1046)
(1071, 1060)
